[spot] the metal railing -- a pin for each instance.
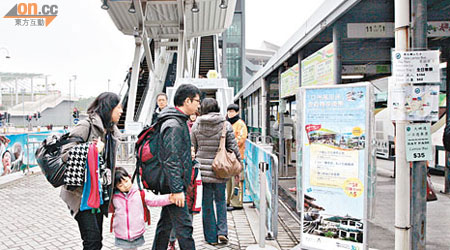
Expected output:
(253, 172)
(125, 156)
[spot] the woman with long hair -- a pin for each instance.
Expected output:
(205, 136)
(99, 128)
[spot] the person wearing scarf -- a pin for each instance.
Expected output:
(234, 185)
(100, 130)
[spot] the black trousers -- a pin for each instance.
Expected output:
(90, 226)
(177, 217)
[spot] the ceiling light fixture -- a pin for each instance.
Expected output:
(105, 5)
(357, 76)
(194, 7)
(223, 4)
(132, 10)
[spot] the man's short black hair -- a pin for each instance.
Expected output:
(234, 107)
(183, 92)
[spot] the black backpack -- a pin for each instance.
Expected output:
(49, 158)
(446, 137)
(149, 167)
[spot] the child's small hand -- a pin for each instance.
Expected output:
(171, 199)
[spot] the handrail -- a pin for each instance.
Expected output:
(141, 103)
(273, 231)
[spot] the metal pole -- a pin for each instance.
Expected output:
(419, 169)
(32, 90)
(298, 137)
(263, 166)
(75, 86)
(282, 108)
(447, 112)
(264, 109)
(17, 93)
(23, 108)
(262, 204)
(46, 84)
(181, 54)
(402, 180)
(337, 64)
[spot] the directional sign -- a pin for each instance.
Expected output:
(418, 142)
(416, 66)
(76, 121)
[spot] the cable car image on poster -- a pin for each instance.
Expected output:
(335, 136)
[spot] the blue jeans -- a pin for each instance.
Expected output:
(212, 228)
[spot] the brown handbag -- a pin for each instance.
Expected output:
(225, 164)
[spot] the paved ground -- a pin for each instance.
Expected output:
(34, 217)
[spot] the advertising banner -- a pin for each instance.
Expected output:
(335, 148)
(17, 151)
(253, 156)
(317, 69)
(290, 82)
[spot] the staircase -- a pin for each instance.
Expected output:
(141, 91)
(206, 55)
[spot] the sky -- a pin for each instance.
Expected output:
(83, 41)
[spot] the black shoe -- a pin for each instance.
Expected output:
(223, 239)
(230, 208)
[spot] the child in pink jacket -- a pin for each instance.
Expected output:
(129, 223)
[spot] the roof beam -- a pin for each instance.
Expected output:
(161, 24)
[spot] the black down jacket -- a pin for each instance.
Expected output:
(175, 151)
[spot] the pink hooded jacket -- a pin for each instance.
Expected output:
(128, 223)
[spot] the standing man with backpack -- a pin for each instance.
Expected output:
(175, 156)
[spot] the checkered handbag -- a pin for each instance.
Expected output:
(76, 165)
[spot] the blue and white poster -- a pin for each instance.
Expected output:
(335, 136)
(17, 150)
(253, 156)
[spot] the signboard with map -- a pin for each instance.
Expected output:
(414, 103)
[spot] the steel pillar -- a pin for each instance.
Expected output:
(337, 56)
(402, 170)
(419, 169)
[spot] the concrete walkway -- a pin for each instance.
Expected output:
(34, 217)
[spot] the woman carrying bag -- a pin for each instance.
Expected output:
(205, 136)
(100, 133)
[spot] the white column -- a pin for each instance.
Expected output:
(131, 106)
(17, 92)
(402, 178)
(32, 90)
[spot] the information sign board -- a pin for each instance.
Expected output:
(414, 103)
(418, 142)
(317, 69)
(416, 66)
(387, 29)
(133, 128)
(290, 82)
(336, 136)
